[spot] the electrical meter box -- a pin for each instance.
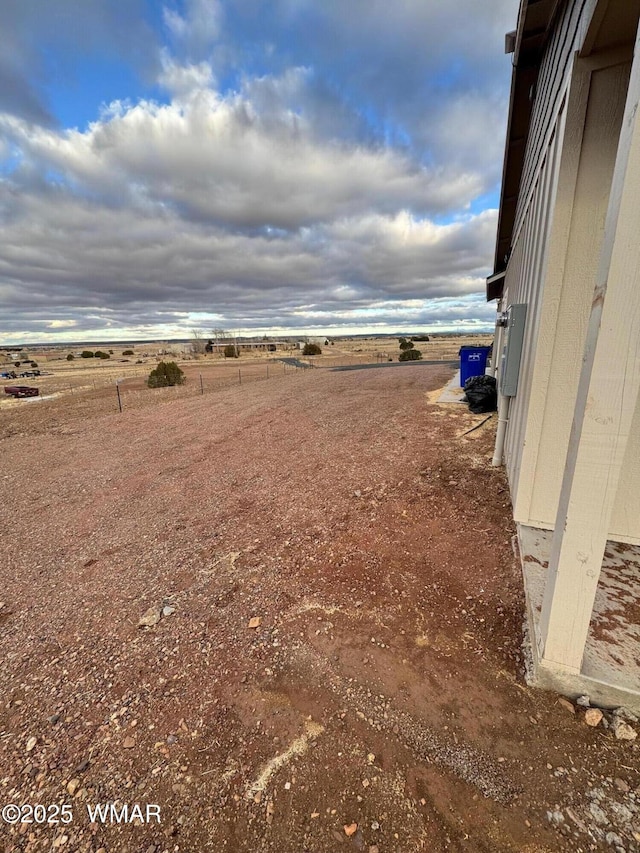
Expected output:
(512, 351)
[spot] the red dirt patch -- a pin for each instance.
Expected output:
(383, 686)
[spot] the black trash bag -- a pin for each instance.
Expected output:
(480, 392)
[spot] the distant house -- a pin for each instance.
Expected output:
(246, 345)
(567, 284)
(320, 341)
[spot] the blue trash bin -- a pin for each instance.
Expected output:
(473, 362)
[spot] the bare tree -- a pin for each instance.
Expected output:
(198, 342)
(218, 338)
(220, 335)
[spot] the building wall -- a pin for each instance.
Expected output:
(606, 100)
(550, 93)
(562, 204)
(526, 271)
(528, 263)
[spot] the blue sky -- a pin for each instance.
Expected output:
(285, 166)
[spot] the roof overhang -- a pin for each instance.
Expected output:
(534, 23)
(495, 285)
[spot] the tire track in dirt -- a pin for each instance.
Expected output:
(463, 761)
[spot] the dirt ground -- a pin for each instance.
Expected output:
(331, 656)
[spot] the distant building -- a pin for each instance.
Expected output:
(321, 342)
(247, 346)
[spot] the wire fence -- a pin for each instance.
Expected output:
(62, 400)
(105, 396)
(134, 394)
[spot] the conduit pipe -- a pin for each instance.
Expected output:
(503, 420)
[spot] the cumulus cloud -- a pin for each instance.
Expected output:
(403, 65)
(226, 160)
(125, 266)
(328, 182)
(182, 80)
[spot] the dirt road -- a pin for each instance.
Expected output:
(332, 652)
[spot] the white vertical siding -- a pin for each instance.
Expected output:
(555, 71)
(536, 198)
(625, 522)
(524, 279)
(559, 230)
(606, 100)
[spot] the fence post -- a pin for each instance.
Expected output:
(201, 385)
(239, 376)
(119, 400)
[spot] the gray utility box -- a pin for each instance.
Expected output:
(512, 351)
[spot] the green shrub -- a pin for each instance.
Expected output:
(70, 357)
(230, 351)
(100, 354)
(16, 364)
(166, 373)
(410, 355)
(311, 349)
(86, 353)
(127, 352)
(405, 345)
(34, 364)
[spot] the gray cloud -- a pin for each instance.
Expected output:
(30, 32)
(66, 258)
(197, 28)
(406, 74)
(18, 96)
(403, 63)
(332, 192)
(223, 160)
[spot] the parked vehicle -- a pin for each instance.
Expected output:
(21, 391)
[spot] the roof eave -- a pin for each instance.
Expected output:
(534, 22)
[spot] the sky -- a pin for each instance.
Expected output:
(262, 166)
